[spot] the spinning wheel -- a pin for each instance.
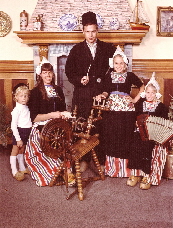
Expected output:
(56, 135)
(70, 141)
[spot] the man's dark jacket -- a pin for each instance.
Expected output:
(80, 63)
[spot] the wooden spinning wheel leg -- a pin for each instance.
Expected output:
(59, 169)
(96, 161)
(79, 180)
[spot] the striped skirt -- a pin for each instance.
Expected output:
(117, 167)
(41, 166)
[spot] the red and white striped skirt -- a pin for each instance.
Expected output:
(117, 167)
(41, 166)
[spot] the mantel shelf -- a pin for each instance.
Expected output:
(120, 37)
(43, 38)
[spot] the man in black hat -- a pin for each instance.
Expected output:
(87, 65)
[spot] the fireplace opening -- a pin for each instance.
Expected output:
(63, 82)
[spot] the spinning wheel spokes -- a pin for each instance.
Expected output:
(56, 138)
(56, 134)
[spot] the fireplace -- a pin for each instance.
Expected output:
(55, 46)
(57, 55)
(55, 43)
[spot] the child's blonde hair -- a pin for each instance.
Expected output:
(19, 88)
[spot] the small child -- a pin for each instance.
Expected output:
(146, 158)
(21, 126)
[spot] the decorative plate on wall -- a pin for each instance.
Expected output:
(68, 22)
(100, 21)
(5, 24)
(114, 24)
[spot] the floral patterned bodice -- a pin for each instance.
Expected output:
(50, 91)
(150, 106)
(118, 78)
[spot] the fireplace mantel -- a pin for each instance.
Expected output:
(117, 37)
(43, 38)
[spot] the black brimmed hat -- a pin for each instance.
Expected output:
(89, 18)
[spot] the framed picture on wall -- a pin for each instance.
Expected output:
(164, 21)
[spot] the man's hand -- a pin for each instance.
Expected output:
(85, 80)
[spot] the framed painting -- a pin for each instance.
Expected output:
(164, 21)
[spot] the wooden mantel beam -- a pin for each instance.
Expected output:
(115, 36)
(43, 38)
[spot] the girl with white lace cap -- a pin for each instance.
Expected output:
(146, 159)
(118, 124)
(46, 102)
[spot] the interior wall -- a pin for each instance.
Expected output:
(11, 45)
(152, 47)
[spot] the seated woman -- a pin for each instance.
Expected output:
(147, 159)
(46, 102)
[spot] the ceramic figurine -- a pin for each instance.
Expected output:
(23, 20)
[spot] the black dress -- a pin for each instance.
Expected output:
(140, 154)
(38, 105)
(79, 63)
(118, 126)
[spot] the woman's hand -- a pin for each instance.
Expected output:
(66, 115)
(101, 96)
(47, 116)
(135, 99)
(56, 114)
(130, 99)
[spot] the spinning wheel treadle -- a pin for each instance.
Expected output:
(56, 135)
